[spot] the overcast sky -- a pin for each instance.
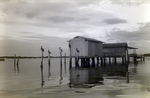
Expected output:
(25, 25)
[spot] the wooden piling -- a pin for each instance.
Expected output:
(128, 59)
(88, 62)
(49, 64)
(65, 62)
(70, 57)
(97, 62)
(14, 62)
(115, 60)
(101, 61)
(93, 62)
(18, 64)
(109, 60)
(104, 61)
(122, 60)
(60, 60)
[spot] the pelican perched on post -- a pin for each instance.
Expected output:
(69, 45)
(60, 49)
(42, 49)
(77, 50)
(49, 52)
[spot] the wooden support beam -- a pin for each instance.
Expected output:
(93, 62)
(101, 61)
(14, 62)
(109, 60)
(97, 62)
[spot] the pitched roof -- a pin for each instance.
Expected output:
(89, 39)
(115, 45)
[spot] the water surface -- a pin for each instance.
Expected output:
(27, 83)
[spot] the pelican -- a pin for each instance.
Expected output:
(49, 52)
(69, 45)
(60, 49)
(42, 49)
(77, 50)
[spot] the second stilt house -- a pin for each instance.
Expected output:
(117, 50)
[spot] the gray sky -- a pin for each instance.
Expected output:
(25, 25)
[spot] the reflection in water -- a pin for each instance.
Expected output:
(61, 78)
(49, 64)
(65, 62)
(81, 76)
(42, 79)
(18, 64)
(135, 67)
(60, 81)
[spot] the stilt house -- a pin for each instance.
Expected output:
(87, 47)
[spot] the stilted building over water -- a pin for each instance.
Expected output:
(86, 50)
(117, 50)
(87, 47)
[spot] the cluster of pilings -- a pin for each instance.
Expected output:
(88, 62)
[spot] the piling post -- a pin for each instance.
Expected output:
(18, 64)
(97, 62)
(127, 56)
(81, 62)
(42, 79)
(65, 62)
(104, 60)
(60, 60)
(70, 57)
(88, 62)
(122, 60)
(14, 62)
(93, 62)
(109, 60)
(128, 59)
(101, 61)
(49, 64)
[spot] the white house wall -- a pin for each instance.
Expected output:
(81, 45)
(86, 48)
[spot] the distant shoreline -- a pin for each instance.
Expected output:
(35, 57)
(31, 57)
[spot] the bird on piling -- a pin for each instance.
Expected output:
(49, 52)
(77, 50)
(42, 49)
(69, 45)
(60, 49)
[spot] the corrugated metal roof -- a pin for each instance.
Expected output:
(115, 45)
(132, 48)
(89, 39)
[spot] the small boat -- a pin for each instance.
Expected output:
(2, 59)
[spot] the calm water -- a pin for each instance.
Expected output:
(27, 83)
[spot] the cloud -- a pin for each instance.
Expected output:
(55, 12)
(129, 2)
(142, 34)
(114, 21)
